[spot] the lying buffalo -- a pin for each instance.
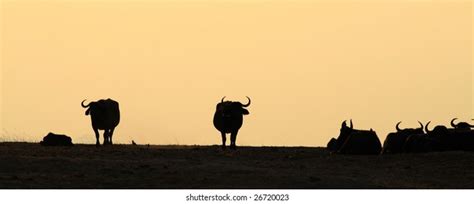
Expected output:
(395, 140)
(56, 140)
(461, 125)
(335, 144)
(419, 143)
(457, 138)
(438, 132)
(332, 145)
(463, 135)
(105, 115)
(228, 118)
(351, 141)
(361, 142)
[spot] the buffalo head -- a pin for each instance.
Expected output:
(335, 144)
(461, 125)
(346, 130)
(410, 131)
(229, 109)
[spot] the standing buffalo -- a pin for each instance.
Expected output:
(395, 140)
(105, 115)
(228, 118)
(351, 141)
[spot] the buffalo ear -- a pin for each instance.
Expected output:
(245, 111)
(88, 111)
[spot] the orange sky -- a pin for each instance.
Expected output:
(307, 65)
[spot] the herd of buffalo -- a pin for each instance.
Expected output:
(410, 140)
(228, 118)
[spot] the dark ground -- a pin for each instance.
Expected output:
(28, 165)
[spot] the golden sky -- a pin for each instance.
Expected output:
(307, 65)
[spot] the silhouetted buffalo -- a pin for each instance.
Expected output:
(418, 143)
(458, 138)
(465, 139)
(362, 142)
(461, 125)
(463, 134)
(335, 144)
(351, 141)
(395, 140)
(228, 118)
(332, 145)
(438, 131)
(105, 115)
(56, 140)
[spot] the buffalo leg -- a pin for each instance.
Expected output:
(96, 131)
(233, 137)
(106, 137)
(223, 139)
(110, 135)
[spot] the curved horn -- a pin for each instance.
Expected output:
(397, 126)
(426, 127)
(421, 124)
(452, 123)
(352, 125)
(343, 125)
(85, 106)
(248, 104)
(222, 100)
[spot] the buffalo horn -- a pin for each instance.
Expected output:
(421, 124)
(397, 126)
(248, 104)
(426, 127)
(84, 106)
(452, 122)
